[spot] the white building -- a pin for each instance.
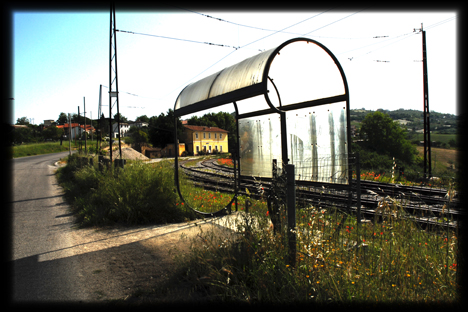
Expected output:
(124, 127)
(139, 124)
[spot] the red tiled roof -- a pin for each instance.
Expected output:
(205, 128)
(73, 125)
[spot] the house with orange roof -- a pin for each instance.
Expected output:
(75, 130)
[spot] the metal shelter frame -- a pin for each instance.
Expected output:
(247, 79)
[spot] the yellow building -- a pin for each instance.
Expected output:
(169, 150)
(208, 139)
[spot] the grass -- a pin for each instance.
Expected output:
(387, 260)
(438, 137)
(38, 149)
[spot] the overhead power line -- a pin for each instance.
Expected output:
(266, 29)
(244, 47)
(187, 40)
(405, 36)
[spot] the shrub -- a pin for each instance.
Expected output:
(137, 194)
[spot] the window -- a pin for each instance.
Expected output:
(209, 135)
(216, 147)
(198, 149)
(220, 135)
(209, 147)
(221, 148)
(204, 135)
(196, 135)
(215, 135)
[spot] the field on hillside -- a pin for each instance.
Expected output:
(441, 156)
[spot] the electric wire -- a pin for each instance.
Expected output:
(271, 30)
(405, 36)
(333, 22)
(187, 40)
(242, 47)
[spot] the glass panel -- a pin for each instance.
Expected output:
(303, 72)
(260, 143)
(317, 143)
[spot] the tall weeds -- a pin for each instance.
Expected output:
(139, 193)
(389, 259)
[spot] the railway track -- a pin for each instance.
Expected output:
(423, 204)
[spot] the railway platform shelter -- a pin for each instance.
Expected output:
(291, 104)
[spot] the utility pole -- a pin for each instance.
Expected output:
(113, 59)
(79, 127)
(99, 134)
(69, 134)
(426, 114)
(84, 113)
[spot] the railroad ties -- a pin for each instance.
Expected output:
(429, 206)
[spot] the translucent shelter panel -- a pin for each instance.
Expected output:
(260, 143)
(304, 71)
(317, 143)
(233, 81)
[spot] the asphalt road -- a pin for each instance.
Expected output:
(40, 230)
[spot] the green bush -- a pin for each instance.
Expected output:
(138, 194)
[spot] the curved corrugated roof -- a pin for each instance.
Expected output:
(238, 82)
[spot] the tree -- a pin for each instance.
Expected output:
(122, 118)
(52, 133)
(161, 130)
(63, 119)
(22, 121)
(383, 136)
(143, 118)
(21, 135)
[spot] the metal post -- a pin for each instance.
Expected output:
(358, 188)
(426, 114)
(79, 128)
(234, 160)
(116, 82)
(427, 127)
(291, 200)
(84, 113)
(284, 140)
(69, 135)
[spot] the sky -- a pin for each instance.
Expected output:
(60, 59)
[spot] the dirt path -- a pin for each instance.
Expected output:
(136, 264)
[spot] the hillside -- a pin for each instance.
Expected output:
(443, 126)
(413, 119)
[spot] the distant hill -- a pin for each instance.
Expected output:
(412, 120)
